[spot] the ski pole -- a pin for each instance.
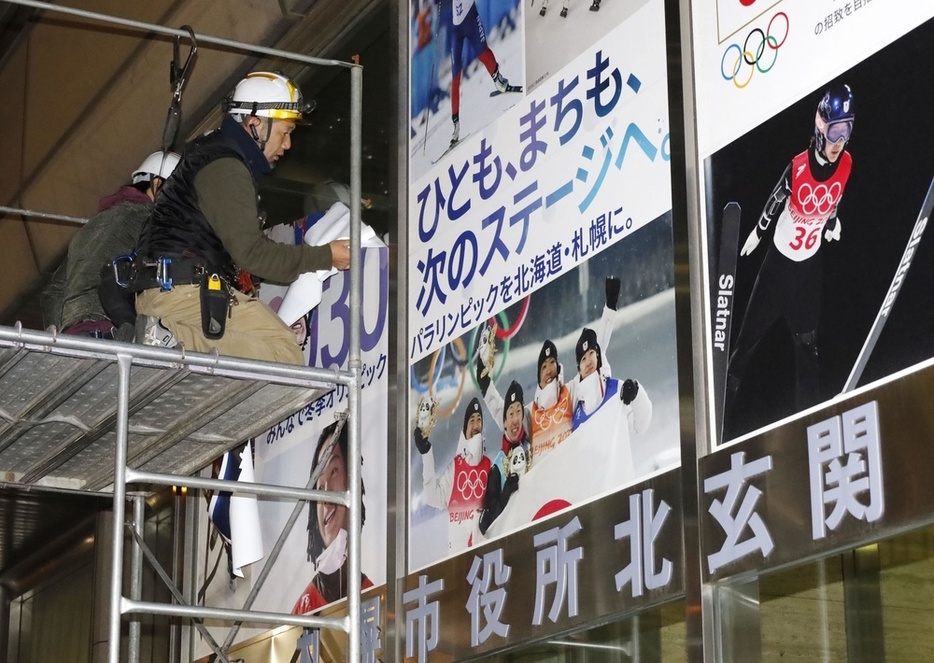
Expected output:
(431, 79)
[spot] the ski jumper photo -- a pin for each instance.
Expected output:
(803, 210)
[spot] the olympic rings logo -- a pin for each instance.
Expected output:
(554, 416)
(820, 199)
(754, 58)
(472, 484)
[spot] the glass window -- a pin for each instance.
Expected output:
(802, 613)
(874, 603)
(658, 634)
(906, 582)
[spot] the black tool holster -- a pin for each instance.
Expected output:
(215, 306)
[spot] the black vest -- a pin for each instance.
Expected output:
(177, 227)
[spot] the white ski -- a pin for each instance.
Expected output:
(446, 152)
(900, 273)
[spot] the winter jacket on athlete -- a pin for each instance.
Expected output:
(804, 201)
(460, 490)
(326, 588)
(550, 426)
(638, 413)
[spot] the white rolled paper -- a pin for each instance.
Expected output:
(305, 292)
(303, 295)
(334, 223)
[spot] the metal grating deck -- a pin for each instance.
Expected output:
(59, 399)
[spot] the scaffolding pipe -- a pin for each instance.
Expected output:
(119, 508)
(16, 211)
(173, 588)
(354, 472)
(269, 490)
(136, 575)
(174, 32)
(190, 538)
(272, 618)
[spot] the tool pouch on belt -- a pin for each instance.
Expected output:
(118, 302)
(215, 305)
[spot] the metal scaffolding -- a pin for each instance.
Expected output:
(59, 417)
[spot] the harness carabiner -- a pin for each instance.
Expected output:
(163, 276)
(123, 283)
(178, 76)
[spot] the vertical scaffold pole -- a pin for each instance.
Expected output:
(354, 584)
(124, 363)
(136, 577)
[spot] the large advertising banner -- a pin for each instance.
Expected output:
(306, 450)
(541, 300)
(817, 190)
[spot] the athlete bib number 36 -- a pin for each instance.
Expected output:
(805, 239)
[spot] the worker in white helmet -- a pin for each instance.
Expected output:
(204, 238)
(70, 301)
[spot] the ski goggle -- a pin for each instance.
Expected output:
(838, 131)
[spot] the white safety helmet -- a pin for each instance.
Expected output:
(157, 164)
(267, 94)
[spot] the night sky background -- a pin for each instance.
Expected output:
(892, 148)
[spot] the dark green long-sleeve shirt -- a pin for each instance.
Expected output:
(227, 198)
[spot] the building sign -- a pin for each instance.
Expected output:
(609, 557)
(832, 479)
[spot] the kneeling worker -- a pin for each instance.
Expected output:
(205, 230)
(71, 301)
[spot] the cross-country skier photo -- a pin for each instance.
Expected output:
(467, 68)
(469, 31)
